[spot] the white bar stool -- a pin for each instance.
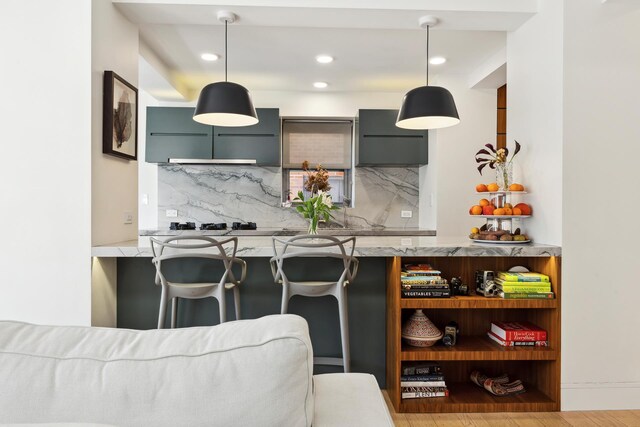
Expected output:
(309, 246)
(195, 248)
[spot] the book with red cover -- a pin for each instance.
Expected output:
(517, 343)
(518, 331)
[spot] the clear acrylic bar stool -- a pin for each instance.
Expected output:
(310, 246)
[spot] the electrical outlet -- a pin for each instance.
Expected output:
(406, 242)
(172, 213)
(406, 214)
(128, 218)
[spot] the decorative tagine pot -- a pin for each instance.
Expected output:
(419, 331)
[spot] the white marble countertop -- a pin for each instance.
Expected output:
(366, 246)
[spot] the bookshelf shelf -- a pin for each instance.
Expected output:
(465, 397)
(476, 301)
(537, 367)
(476, 348)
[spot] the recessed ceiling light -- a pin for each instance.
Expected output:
(209, 57)
(320, 85)
(437, 60)
(324, 59)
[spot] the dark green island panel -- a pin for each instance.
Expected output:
(139, 300)
(172, 133)
(381, 143)
(260, 141)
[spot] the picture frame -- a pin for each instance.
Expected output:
(120, 117)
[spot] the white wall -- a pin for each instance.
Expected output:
(600, 325)
(455, 148)
(147, 172)
(534, 117)
(45, 176)
(114, 180)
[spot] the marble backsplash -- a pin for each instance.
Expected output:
(225, 193)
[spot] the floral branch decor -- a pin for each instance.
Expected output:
(498, 160)
(319, 205)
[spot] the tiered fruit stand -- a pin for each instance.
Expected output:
(501, 229)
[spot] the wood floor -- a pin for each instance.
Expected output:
(524, 419)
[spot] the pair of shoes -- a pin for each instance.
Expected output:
(498, 386)
(505, 389)
(479, 378)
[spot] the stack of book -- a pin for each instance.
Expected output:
(421, 380)
(513, 334)
(523, 285)
(422, 281)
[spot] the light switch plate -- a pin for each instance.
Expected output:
(172, 213)
(406, 214)
(128, 218)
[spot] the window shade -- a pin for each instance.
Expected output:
(326, 143)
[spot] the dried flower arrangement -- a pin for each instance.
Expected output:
(317, 180)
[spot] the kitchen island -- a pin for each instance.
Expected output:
(132, 283)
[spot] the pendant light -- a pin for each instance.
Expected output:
(428, 107)
(225, 103)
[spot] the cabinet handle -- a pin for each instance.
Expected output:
(176, 134)
(246, 134)
(393, 136)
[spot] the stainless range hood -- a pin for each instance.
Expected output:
(214, 161)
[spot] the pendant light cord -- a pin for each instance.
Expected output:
(226, 60)
(428, 55)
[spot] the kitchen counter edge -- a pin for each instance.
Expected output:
(366, 246)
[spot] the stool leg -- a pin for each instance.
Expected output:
(163, 308)
(222, 303)
(344, 326)
(174, 312)
(236, 301)
(285, 299)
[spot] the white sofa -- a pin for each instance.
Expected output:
(246, 373)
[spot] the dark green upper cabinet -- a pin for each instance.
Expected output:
(382, 143)
(172, 133)
(260, 141)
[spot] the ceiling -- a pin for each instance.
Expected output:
(274, 48)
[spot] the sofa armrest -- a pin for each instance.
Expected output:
(349, 400)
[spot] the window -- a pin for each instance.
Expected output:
(320, 142)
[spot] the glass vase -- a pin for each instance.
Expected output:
(504, 175)
(313, 226)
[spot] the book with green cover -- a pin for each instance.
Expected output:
(522, 295)
(501, 282)
(533, 288)
(509, 276)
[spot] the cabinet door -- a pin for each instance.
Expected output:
(260, 141)
(382, 143)
(172, 133)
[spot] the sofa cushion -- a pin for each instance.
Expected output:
(349, 400)
(249, 373)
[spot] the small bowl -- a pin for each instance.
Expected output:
(421, 342)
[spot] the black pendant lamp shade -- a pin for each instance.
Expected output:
(225, 103)
(428, 107)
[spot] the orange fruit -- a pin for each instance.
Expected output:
(517, 211)
(516, 187)
(508, 211)
(481, 188)
(476, 210)
(524, 208)
(508, 205)
(493, 187)
(484, 202)
(499, 211)
(488, 210)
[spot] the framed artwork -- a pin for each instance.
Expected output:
(120, 117)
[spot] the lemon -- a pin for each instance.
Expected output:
(475, 230)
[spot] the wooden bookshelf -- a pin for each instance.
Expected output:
(537, 367)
